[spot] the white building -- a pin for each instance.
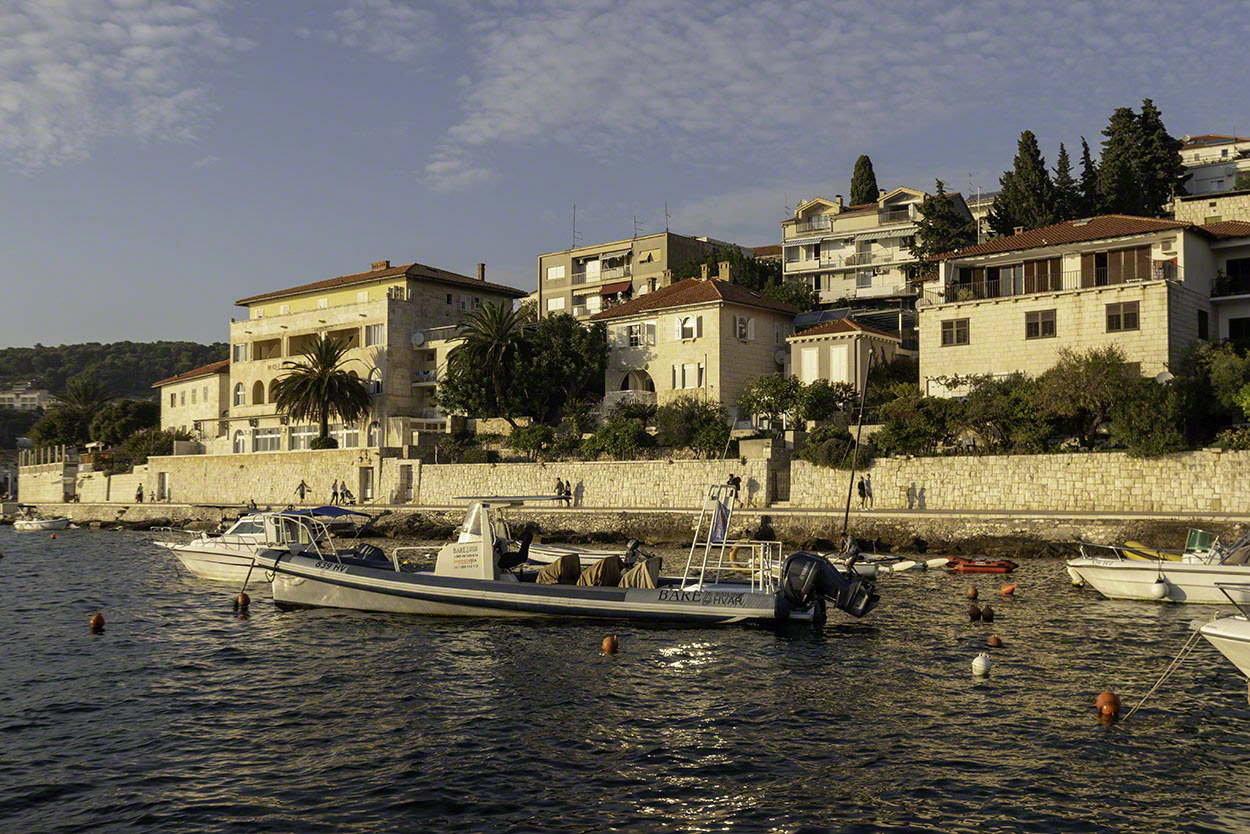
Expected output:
(1214, 161)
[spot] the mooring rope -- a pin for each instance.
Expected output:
(1184, 653)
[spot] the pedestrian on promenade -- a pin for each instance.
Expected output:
(334, 492)
(139, 494)
(301, 490)
(868, 489)
(559, 490)
(863, 492)
(734, 483)
(568, 493)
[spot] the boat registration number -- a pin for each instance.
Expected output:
(331, 566)
(726, 598)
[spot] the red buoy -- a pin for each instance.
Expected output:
(609, 644)
(242, 600)
(995, 642)
(1107, 704)
(97, 623)
(972, 593)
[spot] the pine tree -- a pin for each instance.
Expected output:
(863, 182)
(942, 228)
(1089, 182)
(1068, 199)
(1160, 174)
(1118, 191)
(1026, 197)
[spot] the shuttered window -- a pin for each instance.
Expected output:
(1123, 316)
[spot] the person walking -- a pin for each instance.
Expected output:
(139, 494)
(863, 492)
(301, 490)
(568, 493)
(734, 483)
(559, 490)
(334, 492)
(868, 489)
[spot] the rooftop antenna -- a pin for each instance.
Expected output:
(576, 236)
(666, 217)
(638, 225)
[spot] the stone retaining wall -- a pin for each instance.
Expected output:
(1110, 482)
(46, 482)
(266, 478)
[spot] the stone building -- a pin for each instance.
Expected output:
(197, 401)
(25, 397)
(589, 279)
(1010, 304)
(1213, 162)
(839, 351)
(1212, 208)
(703, 336)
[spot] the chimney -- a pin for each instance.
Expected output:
(703, 268)
(722, 273)
(481, 272)
(380, 265)
(1018, 230)
(837, 204)
(668, 278)
(880, 193)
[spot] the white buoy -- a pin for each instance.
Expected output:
(981, 665)
(1159, 589)
(935, 563)
(905, 565)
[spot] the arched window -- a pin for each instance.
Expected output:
(375, 381)
(689, 327)
(258, 393)
(240, 440)
(273, 391)
(374, 437)
(239, 394)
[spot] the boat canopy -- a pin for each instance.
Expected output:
(328, 511)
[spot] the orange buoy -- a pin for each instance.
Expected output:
(54, 535)
(1108, 704)
(97, 623)
(1008, 589)
(972, 593)
(242, 601)
(995, 642)
(987, 614)
(974, 613)
(609, 644)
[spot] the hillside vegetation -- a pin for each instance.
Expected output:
(127, 369)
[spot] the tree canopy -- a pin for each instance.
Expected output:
(941, 228)
(121, 418)
(1026, 198)
(317, 387)
(126, 368)
(863, 182)
(763, 276)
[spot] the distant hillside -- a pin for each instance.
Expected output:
(127, 368)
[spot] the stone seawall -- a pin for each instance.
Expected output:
(1208, 481)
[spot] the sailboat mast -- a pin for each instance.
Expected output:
(859, 428)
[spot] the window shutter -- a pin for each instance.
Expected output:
(1087, 270)
(677, 330)
(1115, 271)
(751, 330)
(1030, 276)
(1056, 274)
(978, 282)
(674, 386)
(698, 326)
(1143, 263)
(651, 333)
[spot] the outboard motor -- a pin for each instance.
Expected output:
(809, 579)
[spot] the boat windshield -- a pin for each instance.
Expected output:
(473, 521)
(247, 526)
(1199, 541)
(293, 531)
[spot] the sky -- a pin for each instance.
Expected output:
(160, 159)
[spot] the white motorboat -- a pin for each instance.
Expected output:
(1231, 635)
(1195, 577)
(543, 554)
(488, 577)
(35, 524)
(230, 556)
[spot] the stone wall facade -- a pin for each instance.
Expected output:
(46, 482)
(1112, 482)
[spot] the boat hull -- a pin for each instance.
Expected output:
(303, 582)
(1231, 636)
(216, 565)
(36, 525)
(1185, 582)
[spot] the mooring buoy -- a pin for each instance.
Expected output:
(987, 614)
(995, 642)
(974, 613)
(972, 593)
(609, 644)
(1107, 703)
(97, 623)
(242, 601)
(981, 665)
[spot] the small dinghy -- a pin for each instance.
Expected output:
(963, 564)
(34, 523)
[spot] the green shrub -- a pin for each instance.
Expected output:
(832, 447)
(1234, 440)
(323, 443)
(690, 422)
(619, 438)
(567, 445)
(1149, 420)
(479, 456)
(532, 441)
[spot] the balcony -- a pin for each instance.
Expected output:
(420, 378)
(1225, 285)
(956, 292)
(885, 291)
(894, 216)
(613, 274)
(815, 224)
(615, 398)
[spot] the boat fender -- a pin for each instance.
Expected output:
(1159, 589)
(981, 665)
(781, 608)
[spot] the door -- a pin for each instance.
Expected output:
(366, 483)
(162, 486)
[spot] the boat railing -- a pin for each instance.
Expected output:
(1243, 588)
(1112, 550)
(713, 555)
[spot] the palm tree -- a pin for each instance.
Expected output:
(490, 337)
(85, 395)
(314, 389)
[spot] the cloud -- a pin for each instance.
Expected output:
(205, 161)
(387, 28)
(716, 82)
(450, 170)
(74, 72)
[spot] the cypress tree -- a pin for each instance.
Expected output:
(863, 182)
(1068, 200)
(1160, 173)
(1117, 182)
(1089, 181)
(941, 228)
(1026, 197)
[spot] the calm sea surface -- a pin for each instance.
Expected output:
(181, 717)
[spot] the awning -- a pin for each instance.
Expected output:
(796, 241)
(621, 253)
(879, 234)
(615, 287)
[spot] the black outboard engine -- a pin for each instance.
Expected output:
(809, 579)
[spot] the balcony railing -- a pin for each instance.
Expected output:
(894, 216)
(816, 224)
(615, 398)
(1236, 285)
(955, 291)
(612, 274)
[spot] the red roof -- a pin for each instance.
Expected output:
(1208, 139)
(765, 251)
(413, 270)
(694, 291)
(843, 326)
(222, 367)
(1070, 231)
(1229, 228)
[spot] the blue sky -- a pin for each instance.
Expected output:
(161, 158)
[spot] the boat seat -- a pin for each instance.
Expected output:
(605, 573)
(562, 571)
(1240, 556)
(645, 574)
(509, 559)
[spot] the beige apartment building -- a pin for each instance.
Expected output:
(1204, 209)
(1142, 284)
(840, 351)
(1213, 162)
(856, 255)
(398, 323)
(25, 397)
(703, 336)
(590, 279)
(197, 401)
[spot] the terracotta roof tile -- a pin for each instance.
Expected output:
(693, 291)
(847, 325)
(1208, 139)
(221, 367)
(763, 251)
(1070, 231)
(413, 270)
(1228, 228)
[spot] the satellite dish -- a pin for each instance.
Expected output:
(418, 338)
(780, 356)
(1163, 377)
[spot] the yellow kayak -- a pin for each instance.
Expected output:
(1137, 550)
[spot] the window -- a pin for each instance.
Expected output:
(173, 400)
(1239, 330)
(323, 303)
(863, 280)
(744, 328)
(374, 436)
(240, 397)
(1204, 325)
(1039, 324)
(477, 301)
(464, 303)
(1237, 269)
(809, 364)
(205, 393)
(192, 396)
(302, 436)
(283, 309)
(258, 393)
(375, 381)
(954, 332)
(649, 256)
(258, 313)
(240, 443)
(1123, 316)
(554, 304)
(266, 440)
(639, 335)
(688, 327)
(449, 299)
(348, 437)
(363, 295)
(373, 334)
(240, 353)
(555, 273)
